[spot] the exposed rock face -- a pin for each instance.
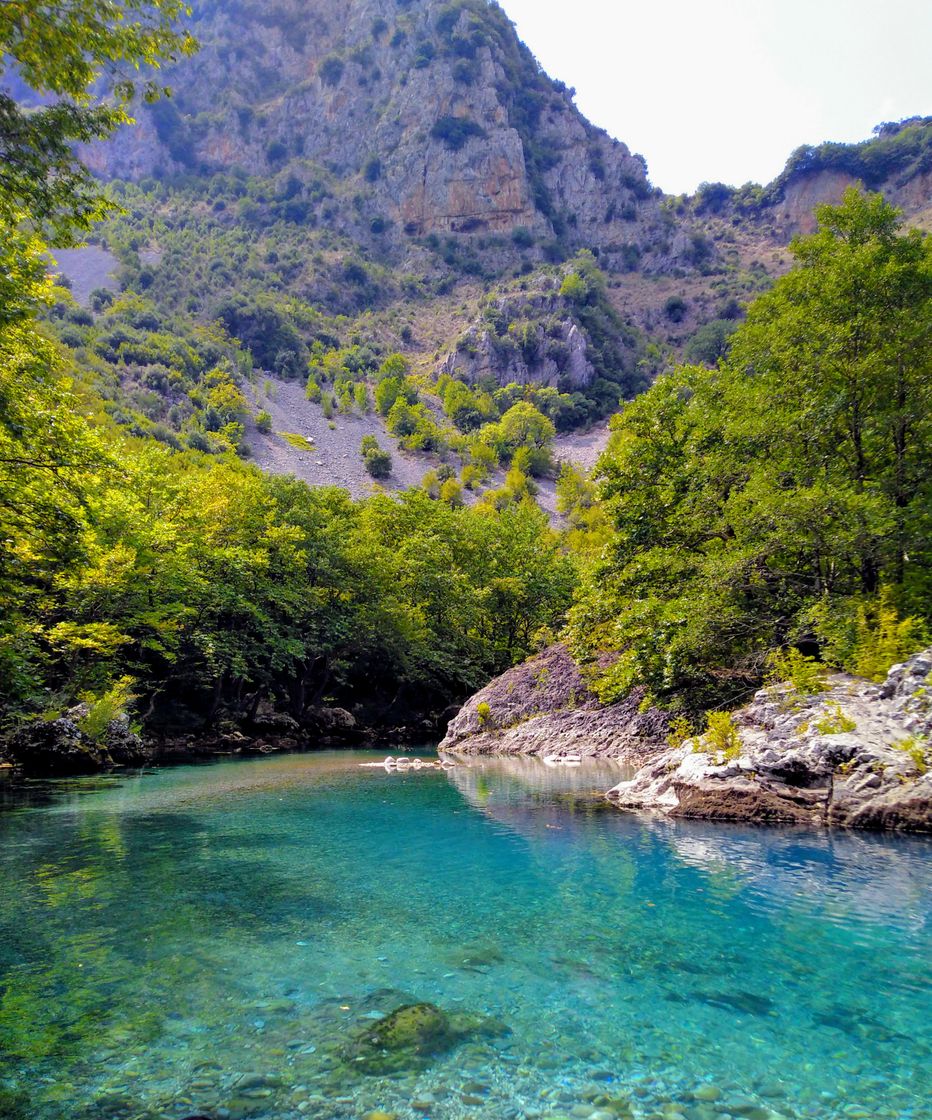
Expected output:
(545, 707)
(552, 350)
(433, 115)
(856, 755)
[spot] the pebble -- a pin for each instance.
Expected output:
(379, 1115)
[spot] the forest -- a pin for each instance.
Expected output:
(779, 500)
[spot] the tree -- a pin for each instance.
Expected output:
(791, 484)
(84, 56)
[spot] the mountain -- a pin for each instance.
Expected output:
(431, 116)
(339, 182)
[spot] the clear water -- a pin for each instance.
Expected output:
(215, 940)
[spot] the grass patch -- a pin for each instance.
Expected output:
(302, 443)
(917, 747)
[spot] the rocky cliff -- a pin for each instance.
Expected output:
(432, 116)
(855, 755)
(545, 707)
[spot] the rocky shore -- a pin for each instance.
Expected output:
(62, 747)
(545, 707)
(856, 754)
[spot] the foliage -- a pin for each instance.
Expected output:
(297, 441)
(834, 722)
(377, 461)
(710, 342)
(104, 709)
(721, 736)
(902, 149)
(76, 57)
(794, 478)
(681, 729)
(918, 749)
(803, 674)
(865, 635)
(456, 132)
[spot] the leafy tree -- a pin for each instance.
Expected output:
(749, 502)
(83, 56)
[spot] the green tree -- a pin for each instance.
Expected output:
(796, 476)
(84, 56)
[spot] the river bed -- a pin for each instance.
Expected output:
(227, 940)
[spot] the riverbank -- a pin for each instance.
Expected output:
(852, 754)
(63, 747)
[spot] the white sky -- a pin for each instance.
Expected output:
(724, 90)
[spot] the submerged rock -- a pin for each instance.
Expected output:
(856, 755)
(411, 1035)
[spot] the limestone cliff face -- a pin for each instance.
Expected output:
(432, 117)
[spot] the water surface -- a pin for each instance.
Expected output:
(216, 939)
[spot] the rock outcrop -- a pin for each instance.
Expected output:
(542, 344)
(856, 755)
(59, 747)
(545, 707)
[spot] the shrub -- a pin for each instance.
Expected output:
(331, 70)
(834, 722)
(721, 735)
(675, 309)
(805, 675)
(377, 462)
(451, 492)
(866, 636)
(917, 747)
(104, 709)
(456, 132)
(681, 729)
(263, 421)
(484, 712)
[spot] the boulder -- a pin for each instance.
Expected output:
(544, 706)
(58, 747)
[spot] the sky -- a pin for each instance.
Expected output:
(724, 90)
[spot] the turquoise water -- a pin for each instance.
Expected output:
(216, 940)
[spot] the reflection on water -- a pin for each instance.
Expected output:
(222, 939)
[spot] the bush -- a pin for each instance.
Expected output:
(263, 421)
(675, 309)
(834, 722)
(104, 709)
(804, 674)
(456, 132)
(865, 636)
(331, 70)
(377, 462)
(721, 736)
